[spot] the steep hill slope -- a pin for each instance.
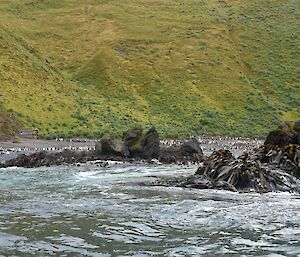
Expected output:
(87, 67)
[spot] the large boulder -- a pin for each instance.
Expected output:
(188, 152)
(246, 173)
(133, 140)
(297, 129)
(297, 126)
(143, 146)
(191, 146)
(150, 144)
(111, 146)
(281, 138)
(286, 134)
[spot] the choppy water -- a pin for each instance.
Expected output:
(95, 211)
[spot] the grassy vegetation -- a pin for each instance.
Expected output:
(87, 67)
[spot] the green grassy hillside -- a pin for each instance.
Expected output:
(85, 67)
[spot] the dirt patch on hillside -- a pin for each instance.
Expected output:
(8, 125)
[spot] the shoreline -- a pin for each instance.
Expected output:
(11, 149)
(234, 164)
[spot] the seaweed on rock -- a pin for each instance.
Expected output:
(243, 174)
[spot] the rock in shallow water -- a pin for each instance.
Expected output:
(243, 174)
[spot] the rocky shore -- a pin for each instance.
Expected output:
(135, 146)
(274, 166)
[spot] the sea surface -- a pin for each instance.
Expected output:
(90, 210)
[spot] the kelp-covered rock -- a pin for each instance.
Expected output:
(243, 174)
(286, 158)
(265, 169)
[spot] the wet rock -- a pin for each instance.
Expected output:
(191, 146)
(286, 134)
(188, 152)
(133, 139)
(170, 155)
(150, 145)
(112, 147)
(252, 171)
(29, 161)
(297, 126)
(44, 158)
(174, 154)
(142, 146)
(281, 138)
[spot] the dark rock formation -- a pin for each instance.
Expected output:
(188, 152)
(112, 147)
(49, 158)
(150, 145)
(243, 174)
(133, 140)
(175, 154)
(272, 167)
(191, 146)
(142, 146)
(136, 147)
(284, 135)
(297, 126)
(297, 129)
(281, 138)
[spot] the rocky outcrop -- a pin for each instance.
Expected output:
(135, 146)
(281, 138)
(243, 174)
(150, 145)
(286, 158)
(191, 146)
(272, 167)
(111, 147)
(49, 158)
(142, 146)
(133, 140)
(286, 134)
(188, 152)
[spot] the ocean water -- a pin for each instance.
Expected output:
(90, 210)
